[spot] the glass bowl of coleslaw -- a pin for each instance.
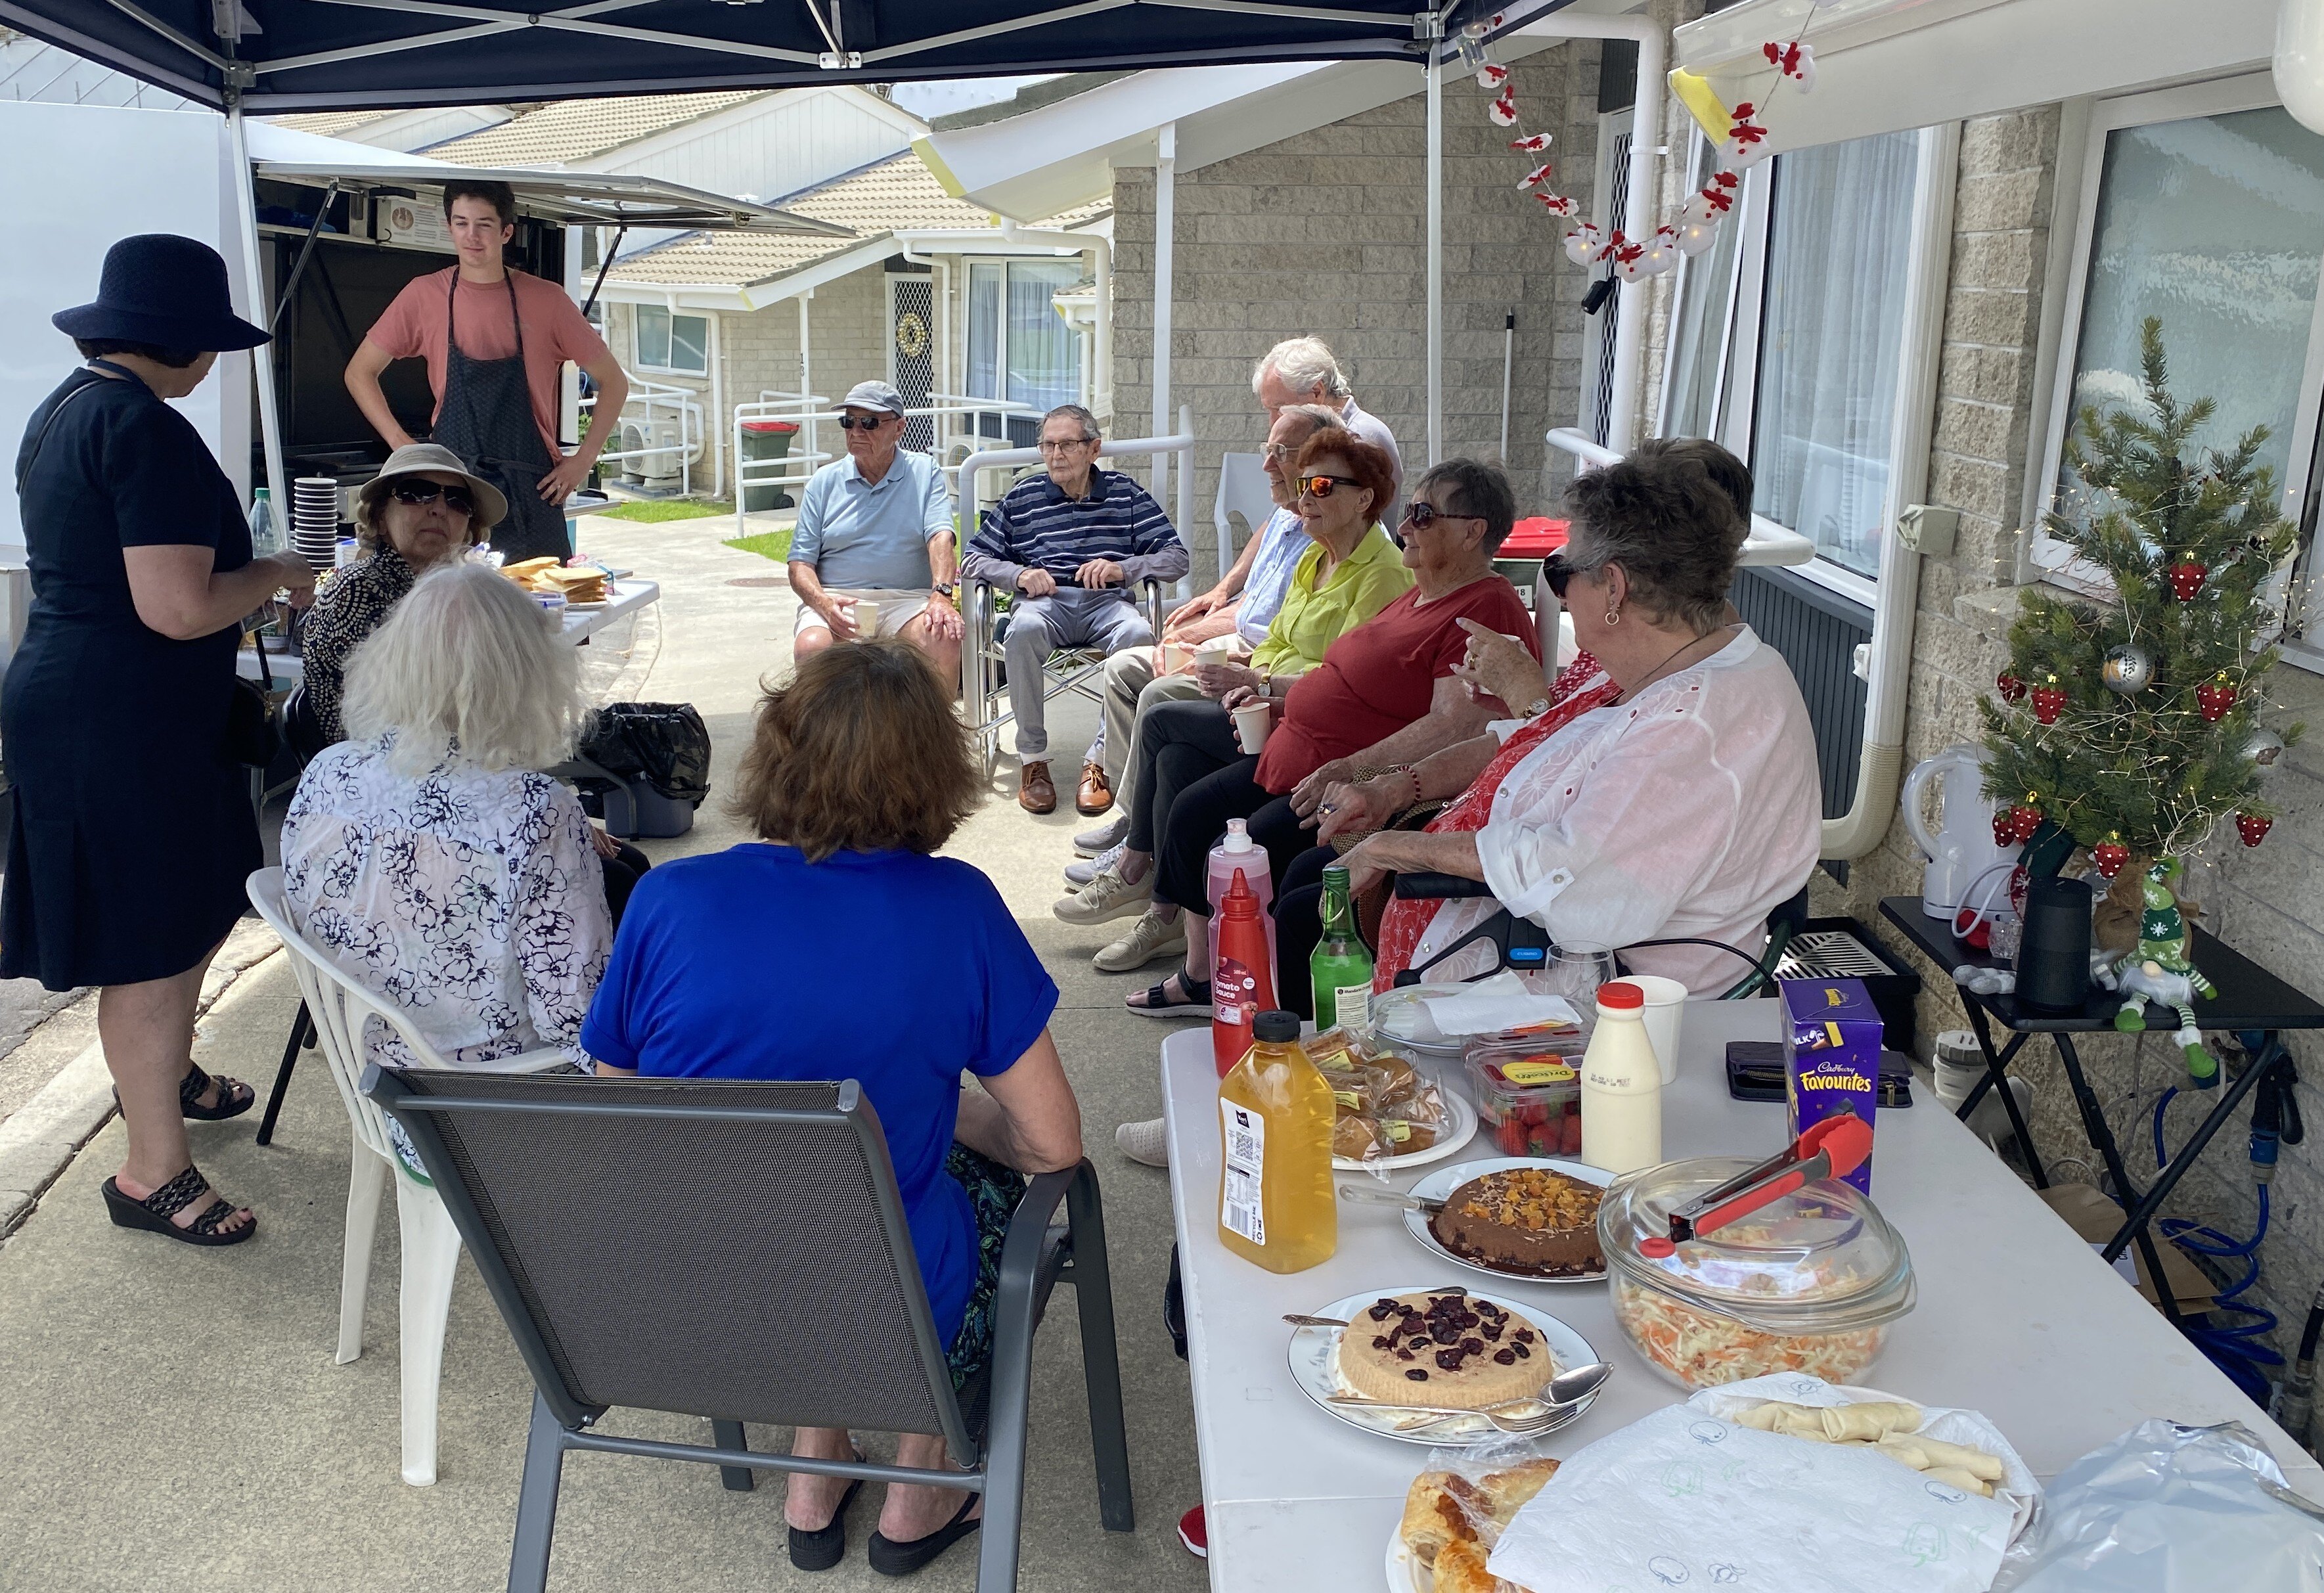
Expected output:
(1808, 1283)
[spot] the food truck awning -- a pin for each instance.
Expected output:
(577, 199)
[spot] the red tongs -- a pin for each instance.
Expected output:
(1832, 1148)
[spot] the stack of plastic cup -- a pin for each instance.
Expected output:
(315, 520)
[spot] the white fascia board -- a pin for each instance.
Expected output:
(270, 142)
(870, 253)
(1026, 244)
(707, 295)
(1949, 59)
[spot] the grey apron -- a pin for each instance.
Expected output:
(486, 419)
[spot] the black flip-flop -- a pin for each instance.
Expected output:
(1158, 1003)
(154, 1213)
(891, 1558)
(826, 1546)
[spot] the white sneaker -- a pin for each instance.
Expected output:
(1148, 939)
(1105, 898)
(1082, 871)
(1143, 1142)
(1111, 834)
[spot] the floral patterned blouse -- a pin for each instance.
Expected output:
(348, 610)
(473, 901)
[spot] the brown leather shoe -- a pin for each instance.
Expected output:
(1094, 795)
(1035, 791)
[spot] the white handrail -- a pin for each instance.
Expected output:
(649, 396)
(1768, 544)
(970, 498)
(805, 410)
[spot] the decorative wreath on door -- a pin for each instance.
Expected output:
(911, 335)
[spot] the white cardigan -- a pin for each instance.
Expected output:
(1692, 810)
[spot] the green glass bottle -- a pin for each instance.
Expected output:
(1341, 968)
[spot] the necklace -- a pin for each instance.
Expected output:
(1654, 673)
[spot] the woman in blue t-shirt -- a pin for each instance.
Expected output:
(838, 946)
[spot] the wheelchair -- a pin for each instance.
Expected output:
(983, 665)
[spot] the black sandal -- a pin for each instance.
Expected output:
(1158, 1003)
(234, 1097)
(154, 1213)
(891, 1558)
(826, 1546)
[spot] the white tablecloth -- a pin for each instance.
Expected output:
(2017, 1318)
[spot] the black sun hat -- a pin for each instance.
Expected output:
(166, 291)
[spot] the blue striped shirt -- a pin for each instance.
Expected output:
(1035, 526)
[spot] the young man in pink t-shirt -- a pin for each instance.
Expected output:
(495, 341)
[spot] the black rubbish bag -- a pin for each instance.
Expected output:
(665, 744)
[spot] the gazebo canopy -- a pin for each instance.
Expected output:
(308, 55)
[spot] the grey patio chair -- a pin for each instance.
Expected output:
(689, 1245)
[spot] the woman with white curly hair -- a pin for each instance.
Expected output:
(429, 854)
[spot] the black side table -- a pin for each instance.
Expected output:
(2251, 1001)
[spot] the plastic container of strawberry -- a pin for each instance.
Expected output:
(1527, 1092)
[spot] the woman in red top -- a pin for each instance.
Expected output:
(1384, 693)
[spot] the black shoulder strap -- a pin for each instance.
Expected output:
(24, 460)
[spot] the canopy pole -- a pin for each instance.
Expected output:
(1435, 252)
(261, 358)
(1165, 178)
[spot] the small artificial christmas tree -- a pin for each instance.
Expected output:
(2135, 726)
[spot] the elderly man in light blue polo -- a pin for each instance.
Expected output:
(873, 553)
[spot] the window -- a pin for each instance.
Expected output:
(668, 342)
(1787, 341)
(1020, 348)
(2203, 206)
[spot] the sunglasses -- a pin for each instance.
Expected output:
(863, 422)
(1320, 486)
(416, 491)
(1557, 573)
(1420, 516)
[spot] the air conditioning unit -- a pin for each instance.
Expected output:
(654, 469)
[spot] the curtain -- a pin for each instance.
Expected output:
(1694, 390)
(985, 329)
(1045, 366)
(1831, 329)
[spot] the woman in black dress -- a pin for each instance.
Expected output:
(132, 829)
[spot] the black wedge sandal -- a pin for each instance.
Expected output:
(234, 1099)
(892, 1559)
(154, 1213)
(1158, 1003)
(826, 1546)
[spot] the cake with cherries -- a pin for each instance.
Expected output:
(1442, 1350)
(1528, 1221)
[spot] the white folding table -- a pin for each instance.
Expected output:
(2017, 1318)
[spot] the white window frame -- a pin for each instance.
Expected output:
(1740, 378)
(638, 337)
(1000, 330)
(2249, 91)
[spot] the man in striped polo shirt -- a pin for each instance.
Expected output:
(1073, 544)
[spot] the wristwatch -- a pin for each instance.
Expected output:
(944, 590)
(1536, 708)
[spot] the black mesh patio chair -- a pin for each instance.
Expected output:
(691, 1246)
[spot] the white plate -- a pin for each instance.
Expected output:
(1405, 1574)
(1314, 1352)
(1463, 1128)
(1437, 1186)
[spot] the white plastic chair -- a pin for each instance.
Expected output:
(430, 1245)
(1242, 490)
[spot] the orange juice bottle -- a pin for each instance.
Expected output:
(1276, 1207)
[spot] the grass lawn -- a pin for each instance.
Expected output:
(774, 545)
(654, 510)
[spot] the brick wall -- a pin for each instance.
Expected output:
(1323, 234)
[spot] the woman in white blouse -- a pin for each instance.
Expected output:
(1676, 794)
(429, 854)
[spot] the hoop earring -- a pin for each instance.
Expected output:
(1613, 616)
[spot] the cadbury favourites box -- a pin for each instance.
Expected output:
(1831, 1055)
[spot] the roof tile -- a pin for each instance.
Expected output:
(569, 129)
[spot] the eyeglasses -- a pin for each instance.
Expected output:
(416, 491)
(864, 422)
(1557, 573)
(1053, 445)
(1320, 486)
(1420, 515)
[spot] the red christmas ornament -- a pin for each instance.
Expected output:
(2110, 855)
(2187, 580)
(2049, 700)
(2024, 819)
(2253, 827)
(2012, 690)
(2214, 697)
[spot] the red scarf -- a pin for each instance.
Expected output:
(1580, 686)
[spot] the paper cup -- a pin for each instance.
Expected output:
(1251, 722)
(1176, 657)
(1218, 649)
(866, 615)
(1665, 1009)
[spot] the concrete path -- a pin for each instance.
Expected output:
(172, 1418)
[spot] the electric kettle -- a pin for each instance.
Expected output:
(1962, 849)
